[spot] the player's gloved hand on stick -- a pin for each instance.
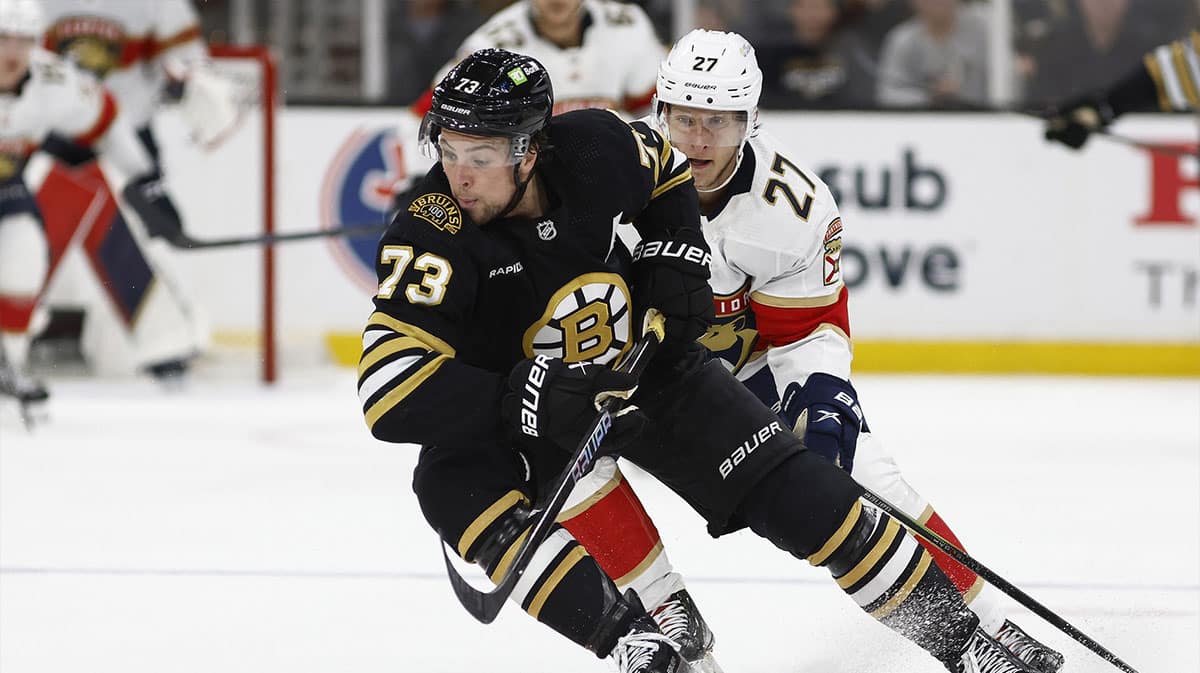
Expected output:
(824, 413)
(1075, 120)
(551, 399)
(672, 276)
(147, 195)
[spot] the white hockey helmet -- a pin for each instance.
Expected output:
(21, 17)
(713, 70)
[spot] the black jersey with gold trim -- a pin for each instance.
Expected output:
(459, 304)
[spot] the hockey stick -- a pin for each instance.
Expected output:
(485, 605)
(858, 53)
(183, 241)
(997, 581)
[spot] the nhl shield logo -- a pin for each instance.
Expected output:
(546, 230)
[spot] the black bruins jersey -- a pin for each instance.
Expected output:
(459, 304)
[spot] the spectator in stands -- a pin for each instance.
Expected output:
(872, 20)
(816, 66)
(422, 36)
(1090, 47)
(938, 58)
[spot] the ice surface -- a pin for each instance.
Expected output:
(226, 528)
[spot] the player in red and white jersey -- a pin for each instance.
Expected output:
(137, 47)
(599, 53)
(40, 93)
(782, 320)
(146, 51)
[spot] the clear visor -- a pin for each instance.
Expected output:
(454, 148)
(693, 126)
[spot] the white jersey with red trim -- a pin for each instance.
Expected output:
(776, 277)
(126, 43)
(54, 97)
(615, 67)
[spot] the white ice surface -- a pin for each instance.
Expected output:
(227, 528)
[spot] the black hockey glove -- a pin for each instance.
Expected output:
(672, 276)
(551, 399)
(1075, 120)
(148, 198)
(824, 413)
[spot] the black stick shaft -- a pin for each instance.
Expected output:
(485, 605)
(188, 243)
(997, 581)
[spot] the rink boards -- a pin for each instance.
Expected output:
(970, 243)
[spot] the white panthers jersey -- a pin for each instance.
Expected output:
(776, 276)
(615, 67)
(54, 97)
(127, 44)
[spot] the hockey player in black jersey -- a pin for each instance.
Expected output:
(505, 274)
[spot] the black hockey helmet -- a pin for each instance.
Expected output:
(492, 92)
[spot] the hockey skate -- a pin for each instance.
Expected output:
(645, 650)
(681, 621)
(1027, 648)
(30, 395)
(985, 655)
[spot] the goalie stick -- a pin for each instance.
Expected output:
(183, 241)
(967, 561)
(485, 605)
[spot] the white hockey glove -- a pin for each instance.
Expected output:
(209, 106)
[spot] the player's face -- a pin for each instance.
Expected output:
(480, 171)
(14, 59)
(709, 138)
(557, 12)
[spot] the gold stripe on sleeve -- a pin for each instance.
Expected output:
(673, 182)
(795, 302)
(389, 348)
(1185, 74)
(434, 343)
(401, 391)
(1156, 74)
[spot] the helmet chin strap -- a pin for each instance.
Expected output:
(520, 193)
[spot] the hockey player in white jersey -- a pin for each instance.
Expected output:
(599, 53)
(146, 51)
(782, 320)
(39, 94)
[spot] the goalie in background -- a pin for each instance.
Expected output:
(1168, 78)
(145, 51)
(40, 93)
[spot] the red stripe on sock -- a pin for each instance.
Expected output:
(616, 531)
(962, 577)
(16, 313)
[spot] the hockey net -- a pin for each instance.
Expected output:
(226, 190)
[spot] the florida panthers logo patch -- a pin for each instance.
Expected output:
(586, 320)
(833, 252)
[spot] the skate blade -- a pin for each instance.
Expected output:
(705, 665)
